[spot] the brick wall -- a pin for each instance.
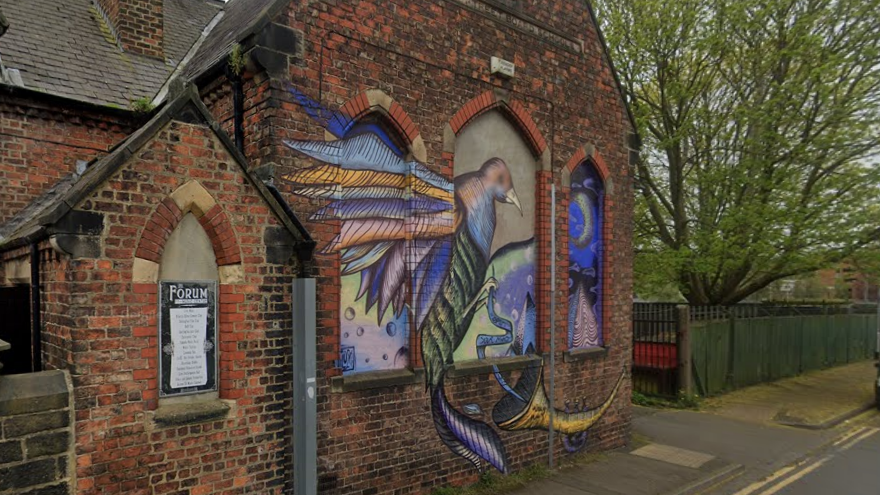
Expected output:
(127, 441)
(432, 58)
(41, 142)
(138, 25)
(36, 434)
(260, 98)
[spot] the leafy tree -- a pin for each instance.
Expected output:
(759, 119)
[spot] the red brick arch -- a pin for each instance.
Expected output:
(165, 219)
(361, 105)
(588, 152)
(514, 111)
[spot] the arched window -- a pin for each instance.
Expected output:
(376, 123)
(495, 171)
(374, 332)
(585, 251)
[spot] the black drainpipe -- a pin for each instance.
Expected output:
(305, 249)
(36, 324)
(237, 110)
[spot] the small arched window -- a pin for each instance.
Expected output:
(585, 251)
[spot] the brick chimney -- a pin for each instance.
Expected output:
(4, 24)
(137, 24)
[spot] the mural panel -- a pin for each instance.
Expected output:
(512, 253)
(585, 258)
(455, 259)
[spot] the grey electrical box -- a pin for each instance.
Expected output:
(305, 425)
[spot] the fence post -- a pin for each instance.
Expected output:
(683, 344)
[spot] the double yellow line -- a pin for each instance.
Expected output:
(797, 471)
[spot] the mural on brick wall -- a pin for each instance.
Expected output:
(430, 252)
(585, 257)
(510, 248)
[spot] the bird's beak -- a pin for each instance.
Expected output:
(512, 199)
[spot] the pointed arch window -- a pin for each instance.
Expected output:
(374, 328)
(585, 253)
(376, 123)
(504, 232)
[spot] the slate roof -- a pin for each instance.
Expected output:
(24, 222)
(184, 22)
(34, 222)
(241, 18)
(65, 48)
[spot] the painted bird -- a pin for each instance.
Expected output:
(404, 228)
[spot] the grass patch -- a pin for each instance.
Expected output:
(637, 440)
(684, 401)
(142, 105)
(494, 483)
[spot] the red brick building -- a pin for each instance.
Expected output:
(421, 145)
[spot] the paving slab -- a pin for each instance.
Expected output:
(673, 455)
(754, 445)
(817, 400)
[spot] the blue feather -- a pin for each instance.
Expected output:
(474, 440)
(334, 122)
(395, 208)
(356, 264)
(429, 273)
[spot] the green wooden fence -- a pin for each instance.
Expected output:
(732, 353)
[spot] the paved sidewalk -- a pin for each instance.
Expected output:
(741, 436)
(753, 445)
(819, 400)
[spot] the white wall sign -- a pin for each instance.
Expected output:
(187, 337)
(502, 67)
(189, 361)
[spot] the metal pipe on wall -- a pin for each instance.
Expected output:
(552, 313)
(305, 423)
(238, 111)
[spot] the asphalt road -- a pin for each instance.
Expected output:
(848, 466)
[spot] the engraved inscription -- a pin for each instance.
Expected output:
(527, 26)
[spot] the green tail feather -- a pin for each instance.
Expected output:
(445, 326)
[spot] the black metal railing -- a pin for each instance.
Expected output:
(729, 347)
(655, 353)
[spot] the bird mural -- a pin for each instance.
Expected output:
(367, 184)
(421, 246)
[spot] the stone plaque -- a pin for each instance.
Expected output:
(187, 337)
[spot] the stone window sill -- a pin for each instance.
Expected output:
(376, 379)
(190, 413)
(395, 378)
(483, 366)
(590, 353)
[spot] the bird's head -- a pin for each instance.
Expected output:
(497, 180)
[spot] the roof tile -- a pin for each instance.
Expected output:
(62, 48)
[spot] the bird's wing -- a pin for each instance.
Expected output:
(397, 217)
